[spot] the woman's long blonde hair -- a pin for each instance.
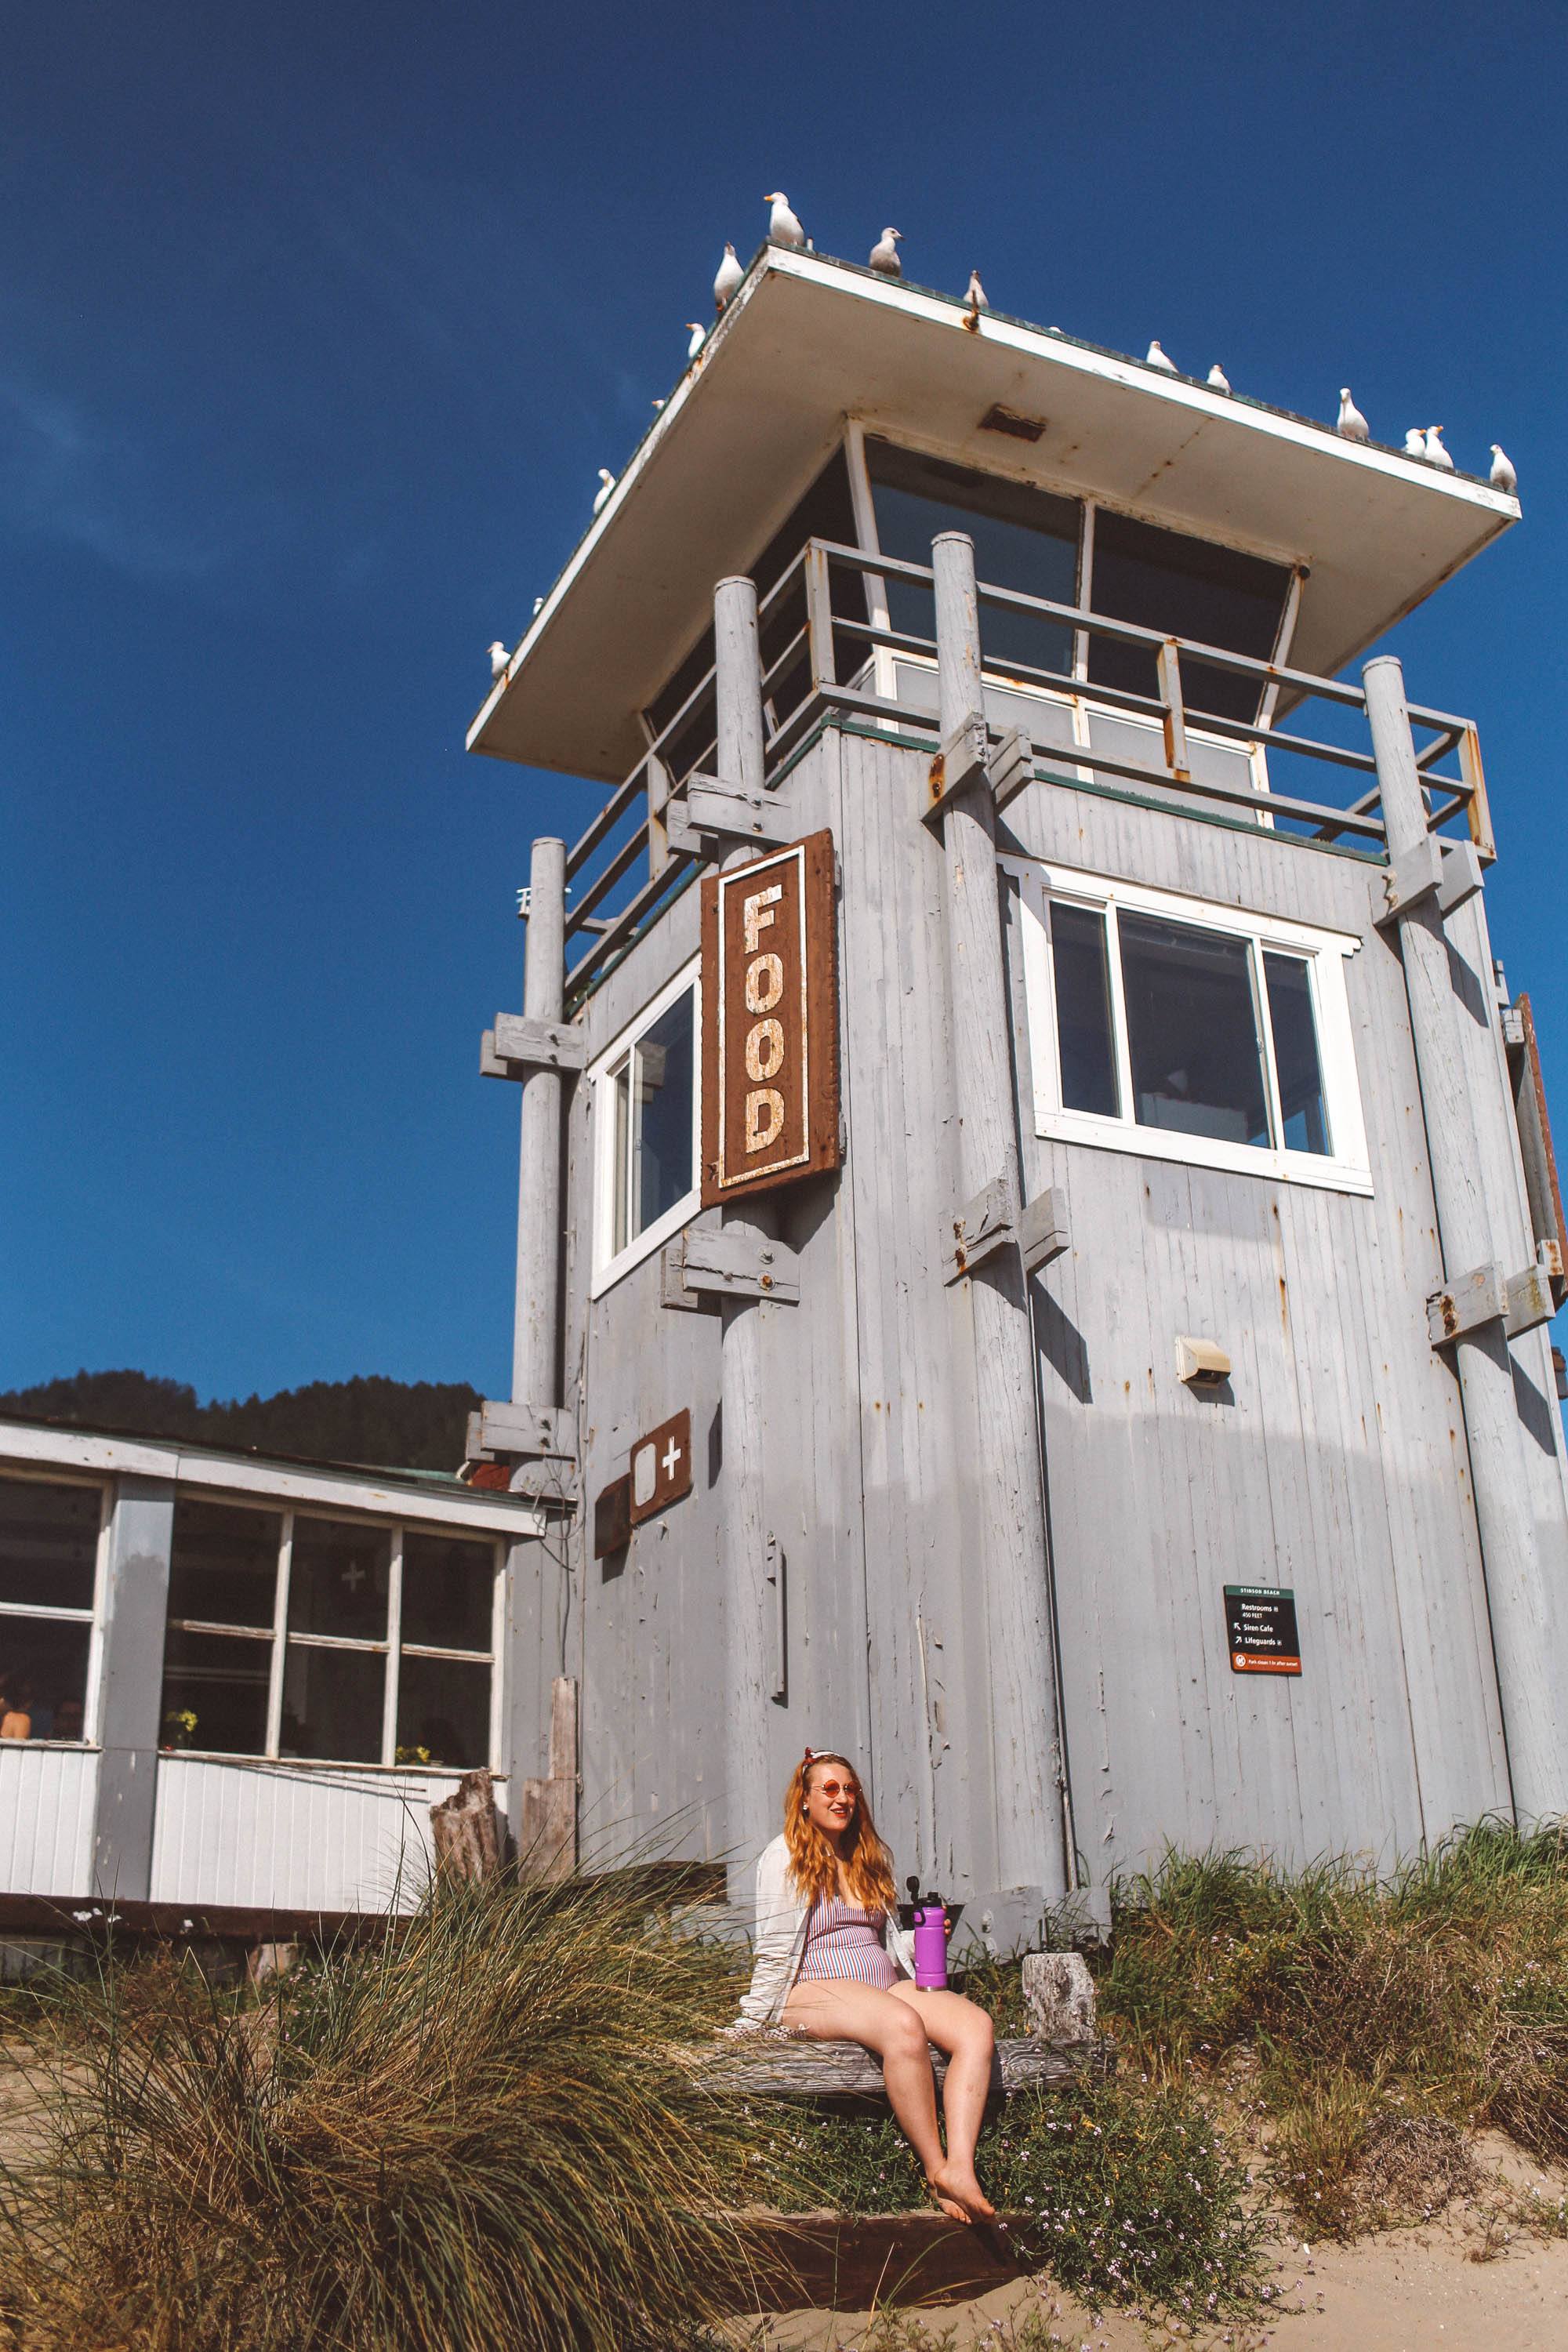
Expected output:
(814, 1859)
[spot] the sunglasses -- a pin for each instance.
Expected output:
(836, 1788)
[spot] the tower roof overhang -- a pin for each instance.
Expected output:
(808, 343)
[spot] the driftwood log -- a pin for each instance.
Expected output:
(465, 1830)
(852, 2262)
(777, 2067)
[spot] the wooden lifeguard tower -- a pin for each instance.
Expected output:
(1038, 1219)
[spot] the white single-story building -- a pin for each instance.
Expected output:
(233, 1681)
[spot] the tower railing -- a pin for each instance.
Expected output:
(819, 614)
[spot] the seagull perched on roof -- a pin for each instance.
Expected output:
(1502, 475)
(499, 657)
(1351, 425)
(783, 226)
(538, 606)
(729, 276)
(976, 297)
(699, 333)
(1416, 442)
(606, 484)
(1435, 453)
(1154, 357)
(1218, 378)
(885, 254)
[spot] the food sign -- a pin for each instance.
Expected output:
(770, 1022)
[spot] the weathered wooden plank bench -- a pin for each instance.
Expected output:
(771, 2066)
(1058, 1996)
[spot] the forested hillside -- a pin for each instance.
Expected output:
(414, 1425)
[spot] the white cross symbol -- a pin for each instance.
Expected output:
(353, 1577)
(672, 1458)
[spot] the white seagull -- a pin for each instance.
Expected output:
(1352, 424)
(1416, 442)
(538, 606)
(885, 254)
(976, 297)
(606, 484)
(699, 333)
(1218, 378)
(1502, 475)
(500, 656)
(783, 226)
(729, 276)
(1155, 357)
(1435, 453)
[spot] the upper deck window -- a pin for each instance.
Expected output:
(1024, 538)
(1185, 588)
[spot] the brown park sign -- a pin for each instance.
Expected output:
(770, 1022)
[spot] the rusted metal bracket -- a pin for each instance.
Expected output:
(967, 757)
(507, 1426)
(1043, 1228)
(517, 1045)
(1451, 868)
(711, 1263)
(1486, 1295)
(987, 1225)
(706, 818)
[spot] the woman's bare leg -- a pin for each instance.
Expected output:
(966, 2033)
(829, 2009)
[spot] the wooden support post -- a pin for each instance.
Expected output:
(535, 1341)
(547, 1818)
(1473, 1152)
(749, 1800)
(1025, 1758)
(465, 1829)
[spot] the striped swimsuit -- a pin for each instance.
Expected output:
(842, 1940)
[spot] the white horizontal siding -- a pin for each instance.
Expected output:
(47, 1797)
(297, 1837)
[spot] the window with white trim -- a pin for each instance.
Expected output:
(51, 1577)
(1184, 1030)
(346, 1641)
(646, 1113)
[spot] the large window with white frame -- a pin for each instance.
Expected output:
(344, 1640)
(52, 1538)
(1163, 1026)
(645, 1114)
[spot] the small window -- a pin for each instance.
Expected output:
(389, 1648)
(49, 1575)
(646, 1113)
(1189, 1033)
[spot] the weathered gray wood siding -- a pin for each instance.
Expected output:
(1335, 1463)
(1338, 1465)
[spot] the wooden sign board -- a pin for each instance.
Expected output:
(1260, 1630)
(612, 1518)
(661, 1467)
(770, 1022)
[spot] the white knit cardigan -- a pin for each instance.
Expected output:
(783, 1914)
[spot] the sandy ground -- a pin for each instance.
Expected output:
(1467, 2283)
(1459, 2283)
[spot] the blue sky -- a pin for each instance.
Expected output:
(315, 323)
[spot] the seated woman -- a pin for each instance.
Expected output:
(833, 1964)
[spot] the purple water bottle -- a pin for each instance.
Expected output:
(931, 1939)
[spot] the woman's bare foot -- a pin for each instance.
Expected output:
(960, 2195)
